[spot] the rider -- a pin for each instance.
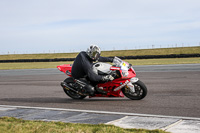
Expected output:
(83, 67)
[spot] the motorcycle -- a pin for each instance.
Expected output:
(125, 81)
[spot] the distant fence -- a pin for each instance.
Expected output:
(121, 57)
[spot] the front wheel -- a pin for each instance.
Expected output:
(74, 95)
(140, 91)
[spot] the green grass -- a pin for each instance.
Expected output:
(159, 51)
(31, 65)
(38, 65)
(162, 51)
(13, 125)
(37, 56)
(165, 61)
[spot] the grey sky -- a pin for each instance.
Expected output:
(65, 25)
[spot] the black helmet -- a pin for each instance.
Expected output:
(94, 52)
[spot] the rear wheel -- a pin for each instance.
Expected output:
(74, 95)
(140, 91)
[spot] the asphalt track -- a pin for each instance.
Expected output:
(173, 90)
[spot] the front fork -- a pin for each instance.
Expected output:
(130, 85)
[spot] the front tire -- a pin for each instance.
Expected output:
(140, 91)
(70, 93)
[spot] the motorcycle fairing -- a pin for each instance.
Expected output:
(66, 68)
(113, 88)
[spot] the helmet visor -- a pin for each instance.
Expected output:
(95, 55)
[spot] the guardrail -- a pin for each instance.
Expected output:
(121, 57)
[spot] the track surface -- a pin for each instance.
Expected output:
(172, 90)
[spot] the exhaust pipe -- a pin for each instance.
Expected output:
(65, 86)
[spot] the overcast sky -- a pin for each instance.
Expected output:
(37, 26)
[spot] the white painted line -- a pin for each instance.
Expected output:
(172, 125)
(103, 112)
(117, 120)
(5, 109)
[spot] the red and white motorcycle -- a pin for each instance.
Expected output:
(125, 81)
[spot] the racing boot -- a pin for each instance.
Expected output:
(89, 89)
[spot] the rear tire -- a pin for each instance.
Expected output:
(140, 91)
(73, 95)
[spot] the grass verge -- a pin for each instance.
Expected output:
(159, 51)
(40, 65)
(10, 125)
(165, 61)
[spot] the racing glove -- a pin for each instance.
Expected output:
(107, 78)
